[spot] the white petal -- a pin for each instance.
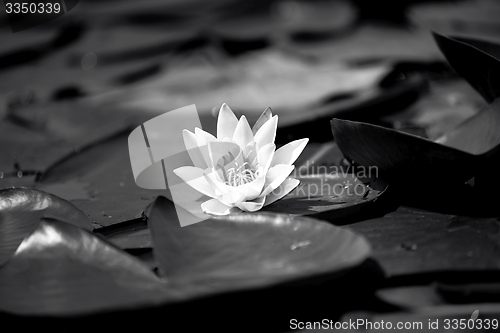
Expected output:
(275, 176)
(228, 195)
(286, 187)
(253, 189)
(215, 207)
(289, 152)
(195, 178)
(193, 150)
(267, 133)
(252, 206)
(203, 138)
(226, 122)
(222, 153)
(243, 133)
(250, 152)
(265, 156)
(264, 117)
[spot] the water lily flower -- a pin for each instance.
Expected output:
(240, 169)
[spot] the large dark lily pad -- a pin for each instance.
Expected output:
(403, 157)
(477, 61)
(22, 208)
(248, 250)
(70, 271)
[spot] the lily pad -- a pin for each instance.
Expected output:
(70, 271)
(121, 44)
(484, 74)
(248, 250)
(338, 198)
(413, 243)
(405, 158)
(37, 137)
(333, 197)
(367, 104)
(22, 208)
(103, 177)
(273, 78)
(372, 41)
(446, 105)
(287, 19)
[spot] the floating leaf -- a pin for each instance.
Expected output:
(248, 250)
(104, 175)
(70, 271)
(478, 134)
(269, 78)
(402, 157)
(414, 243)
(368, 104)
(493, 49)
(371, 42)
(473, 62)
(446, 105)
(331, 197)
(285, 19)
(340, 199)
(122, 44)
(35, 137)
(20, 211)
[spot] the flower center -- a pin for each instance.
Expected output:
(240, 175)
(239, 170)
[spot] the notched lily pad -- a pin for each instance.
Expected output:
(248, 250)
(475, 60)
(21, 210)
